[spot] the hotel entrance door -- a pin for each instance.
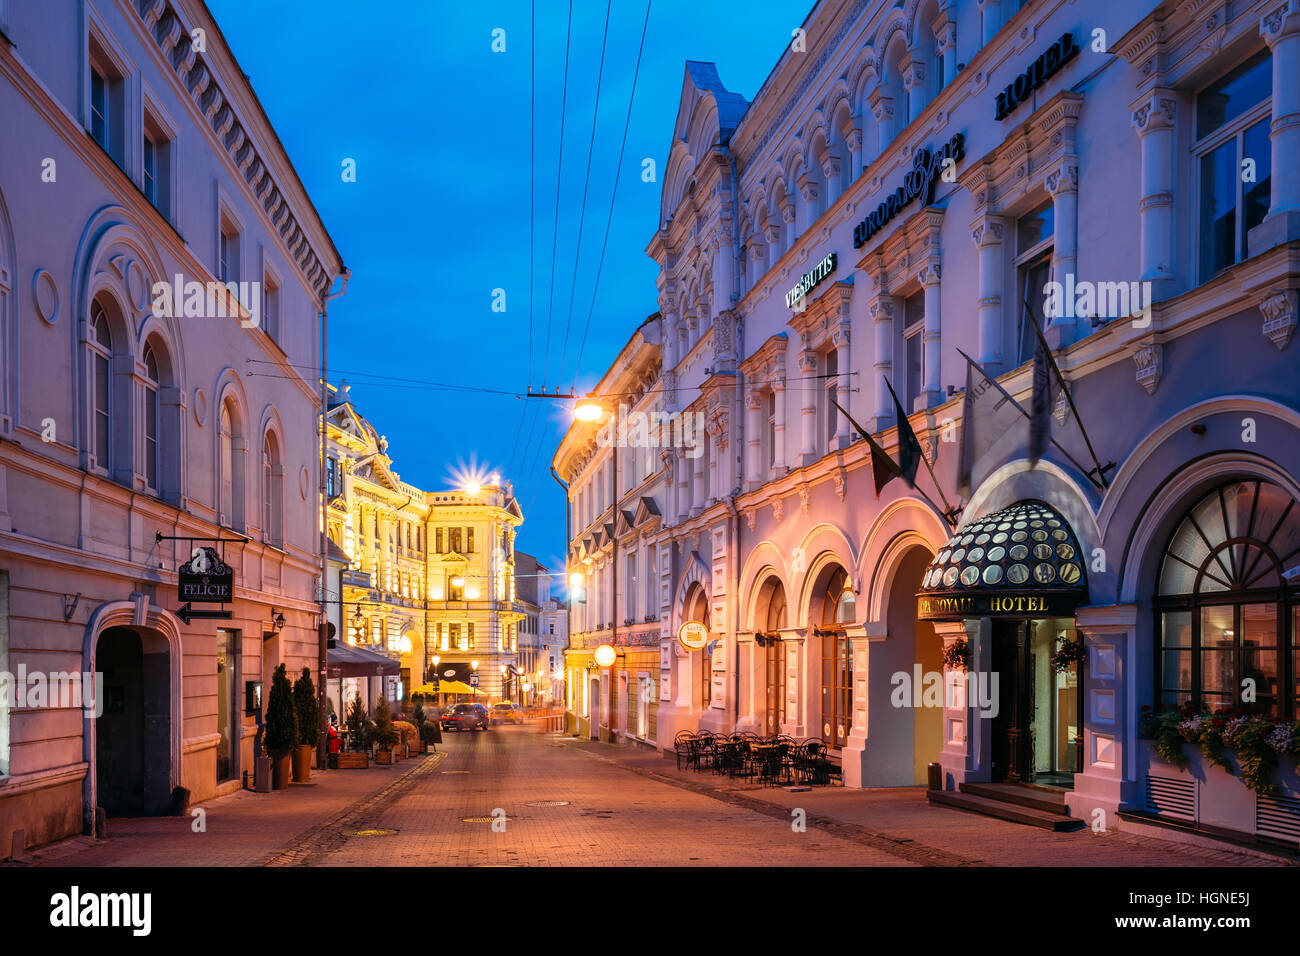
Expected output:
(1039, 709)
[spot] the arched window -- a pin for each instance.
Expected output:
(230, 467)
(101, 388)
(272, 492)
(152, 416)
(838, 610)
(1226, 618)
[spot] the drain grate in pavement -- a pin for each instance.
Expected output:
(455, 771)
(550, 803)
(374, 832)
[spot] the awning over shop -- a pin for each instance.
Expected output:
(458, 687)
(345, 660)
(1020, 562)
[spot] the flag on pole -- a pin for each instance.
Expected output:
(909, 449)
(988, 415)
(883, 468)
(1046, 389)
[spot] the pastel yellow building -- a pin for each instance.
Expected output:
(431, 574)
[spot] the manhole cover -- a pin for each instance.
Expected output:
(374, 832)
(483, 819)
(550, 803)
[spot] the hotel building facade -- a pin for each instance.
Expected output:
(133, 429)
(431, 578)
(909, 181)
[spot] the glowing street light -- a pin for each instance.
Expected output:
(588, 410)
(473, 488)
(605, 655)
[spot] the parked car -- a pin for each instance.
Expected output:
(506, 712)
(466, 717)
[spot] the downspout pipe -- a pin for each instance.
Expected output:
(322, 633)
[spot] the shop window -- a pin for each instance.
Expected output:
(1232, 121)
(838, 609)
(1226, 618)
(1034, 236)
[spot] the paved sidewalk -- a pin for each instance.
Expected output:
(903, 817)
(241, 829)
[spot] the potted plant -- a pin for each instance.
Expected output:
(307, 709)
(1068, 653)
(281, 728)
(358, 728)
(406, 736)
(417, 718)
(384, 735)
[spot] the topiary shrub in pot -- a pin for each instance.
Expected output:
(385, 735)
(281, 728)
(307, 709)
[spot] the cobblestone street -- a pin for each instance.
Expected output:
(576, 803)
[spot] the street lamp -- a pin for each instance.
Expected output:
(588, 410)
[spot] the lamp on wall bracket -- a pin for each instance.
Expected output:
(277, 621)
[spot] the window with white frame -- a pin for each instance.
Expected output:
(228, 249)
(913, 369)
(101, 387)
(152, 417)
(107, 113)
(829, 386)
(156, 166)
(272, 492)
(1035, 232)
(1234, 160)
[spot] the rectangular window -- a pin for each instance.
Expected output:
(228, 709)
(1235, 162)
(469, 540)
(913, 352)
(228, 250)
(271, 306)
(150, 170)
(102, 410)
(837, 690)
(1035, 233)
(455, 541)
(469, 636)
(331, 470)
(151, 437)
(437, 540)
(771, 429)
(832, 417)
(99, 107)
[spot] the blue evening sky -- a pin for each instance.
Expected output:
(439, 214)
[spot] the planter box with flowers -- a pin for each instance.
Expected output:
(1231, 758)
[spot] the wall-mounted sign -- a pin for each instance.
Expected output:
(1018, 604)
(693, 635)
(921, 180)
(809, 280)
(1040, 71)
(205, 578)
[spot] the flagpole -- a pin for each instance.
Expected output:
(924, 457)
(1101, 472)
(875, 447)
(1020, 408)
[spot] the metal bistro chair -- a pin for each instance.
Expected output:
(706, 752)
(687, 752)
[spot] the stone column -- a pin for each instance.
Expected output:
(753, 439)
(945, 35)
(832, 169)
(1063, 184)
(700, 482)
(914, 83)
(990, 20)
(882, 108)
(798, 720)
(807, 211)
(669, 458)
(1280, 27)
(672, 354)
(778, 430)
(1111, 769)
(843, 385)
(932, 388)
(882, 317)
(966, 737)
(853, 140)
(790, 232)
(773, 233)
(683, 486)
(808, 452)
(1153, 118)
(758, 259)
(987, 234)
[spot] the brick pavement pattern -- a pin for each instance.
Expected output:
(577, 803)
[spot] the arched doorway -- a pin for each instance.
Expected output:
(833, 608)
(695, 607)
(769, 620)
(133, 734)
(917, 655)
(1226, 617)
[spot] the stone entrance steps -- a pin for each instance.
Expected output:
(1034, 807)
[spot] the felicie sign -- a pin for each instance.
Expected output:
(927, 168)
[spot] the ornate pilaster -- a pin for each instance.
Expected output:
(1153, 119)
